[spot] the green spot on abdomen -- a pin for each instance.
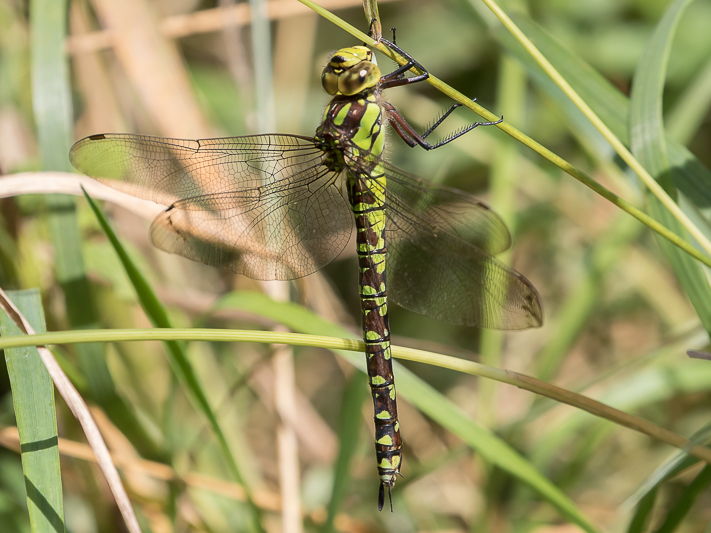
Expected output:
(385, 463)
(368, 290)
(383, 415)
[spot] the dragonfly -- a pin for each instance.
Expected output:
(279, 207)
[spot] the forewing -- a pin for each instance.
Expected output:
(439, 261)
(260, 205)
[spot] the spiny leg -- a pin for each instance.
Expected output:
(412, 138)
(396, 77)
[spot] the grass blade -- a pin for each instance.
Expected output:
(372, 18)
(673, 466)
(33, 398)
(688, 114)
(581, 176)
(79, 409)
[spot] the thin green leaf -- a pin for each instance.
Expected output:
(674, 465)
(653, 186)
(262, 64)
(522, 381)
(178, 359)
(642, 514)
(33, 398)
(685, 500)
(348, 429)
(648, 143)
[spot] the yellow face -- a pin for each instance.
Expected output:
(350, 71)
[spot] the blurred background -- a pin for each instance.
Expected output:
(617, 323)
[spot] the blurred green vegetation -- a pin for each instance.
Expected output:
(618, 322)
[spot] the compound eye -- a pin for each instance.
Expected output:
(363, 76)
(329, 80)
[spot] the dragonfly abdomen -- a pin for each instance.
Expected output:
(367, 196)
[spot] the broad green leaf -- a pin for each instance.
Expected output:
(688, 114)
(648, 143)
(33, 398)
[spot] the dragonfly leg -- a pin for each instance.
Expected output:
(412, 138)
(397, 77)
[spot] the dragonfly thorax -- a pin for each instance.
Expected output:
(350, 71)
(352, 130)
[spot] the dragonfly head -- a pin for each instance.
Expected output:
(350, 71)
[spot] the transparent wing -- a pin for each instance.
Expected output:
(440, 242)
(260, 205)
(446, 209)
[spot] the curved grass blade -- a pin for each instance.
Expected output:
(178, 359)
(584, 403)
(648, 143)
(422, 396)
(33, 398)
